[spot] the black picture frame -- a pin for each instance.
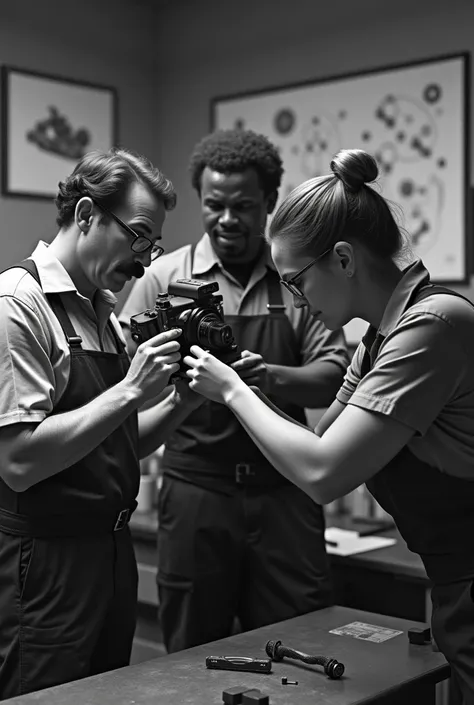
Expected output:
(48, 123)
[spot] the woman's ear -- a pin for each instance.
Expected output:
(345, 257)
(84, 213)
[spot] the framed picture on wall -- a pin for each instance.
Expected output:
(413, 118)
(49, 123)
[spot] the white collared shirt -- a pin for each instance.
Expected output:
(34, 354)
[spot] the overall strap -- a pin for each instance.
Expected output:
(192, 251)
(74, 340)
(30, 267)
(275, 297)
(55, 302)
(431, 289)
(373, 341)
(120, 345)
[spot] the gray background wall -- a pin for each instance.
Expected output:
(217, 47)
(168, 58)
(108, 42)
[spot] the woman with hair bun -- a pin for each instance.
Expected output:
(403, 420)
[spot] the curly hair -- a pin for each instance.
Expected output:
(105, 177)
(231, 151)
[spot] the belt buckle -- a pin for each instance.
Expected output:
(242, 471)
(122, 519)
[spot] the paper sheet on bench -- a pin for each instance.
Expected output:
(349, 542)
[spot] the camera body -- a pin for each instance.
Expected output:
(191, 305)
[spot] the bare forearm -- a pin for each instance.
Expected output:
(291, 449)
(275, 408)
(311, 386)
(157, 423)
(45, 449)
(334, 411)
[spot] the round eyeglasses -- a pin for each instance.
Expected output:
(140, 243)
(290, 284)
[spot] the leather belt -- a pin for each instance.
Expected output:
(62, 524)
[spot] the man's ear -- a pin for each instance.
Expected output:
(271, 202)
(84, 213)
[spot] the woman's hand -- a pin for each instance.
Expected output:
(209, 376)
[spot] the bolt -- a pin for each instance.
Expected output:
(285, 681)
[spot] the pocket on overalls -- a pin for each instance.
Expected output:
(27, 546)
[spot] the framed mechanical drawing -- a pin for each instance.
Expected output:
(413, 118)
(48, 124)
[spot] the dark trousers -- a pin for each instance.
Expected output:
(67, 609)
(258, 555)
(453, 631)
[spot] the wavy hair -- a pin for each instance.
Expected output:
(105, 177)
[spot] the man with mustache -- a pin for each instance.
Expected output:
(70, 433)
(235, 539)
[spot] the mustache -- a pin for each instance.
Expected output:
(135, 270)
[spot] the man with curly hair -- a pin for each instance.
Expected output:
(235, 539)
(70, 434)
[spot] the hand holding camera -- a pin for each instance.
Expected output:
(154, 362)
(192, 306)
(253, 370)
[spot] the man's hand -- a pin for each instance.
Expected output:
(253, 370)
(185, 396)
(152, 365)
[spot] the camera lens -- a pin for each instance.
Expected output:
(213, 333)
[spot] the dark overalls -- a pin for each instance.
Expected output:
(68, 578)
(235, 538)
(434, 513)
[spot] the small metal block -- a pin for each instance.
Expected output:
(233, 696)
(419, 636)
(255, 697)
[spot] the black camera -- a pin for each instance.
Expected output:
(191, 305)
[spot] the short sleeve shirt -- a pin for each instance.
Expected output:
(34, 353)
(315, 341)
(423, 375)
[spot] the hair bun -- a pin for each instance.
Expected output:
(355, 168)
